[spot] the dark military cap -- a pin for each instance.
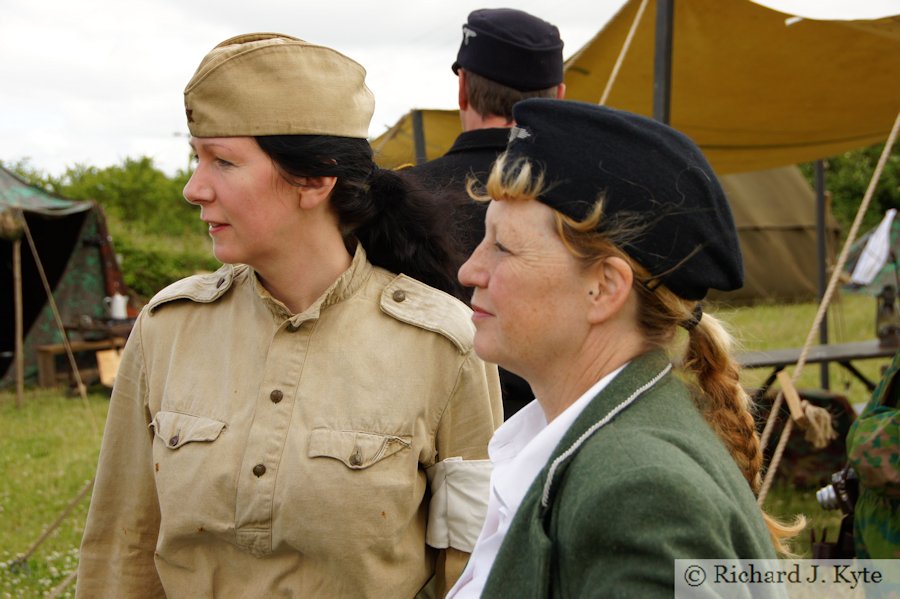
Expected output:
(652, 178)
(512, 48)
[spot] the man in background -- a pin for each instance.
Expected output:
(506, 55)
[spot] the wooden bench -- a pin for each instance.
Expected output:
(46, 357)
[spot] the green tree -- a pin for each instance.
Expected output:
(158, 235)
(136, 193)
(847, 177)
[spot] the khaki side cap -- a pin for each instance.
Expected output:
(272, 84)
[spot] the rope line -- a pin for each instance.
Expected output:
(621, 58)
(820, 314)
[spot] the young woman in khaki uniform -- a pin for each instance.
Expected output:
(310, 420)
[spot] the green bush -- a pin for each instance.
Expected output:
(157, 234)
(135, 192)
(149, 267)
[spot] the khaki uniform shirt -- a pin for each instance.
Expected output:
(249, 452)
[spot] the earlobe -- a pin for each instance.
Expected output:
(610, 288)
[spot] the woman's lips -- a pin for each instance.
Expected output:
(479, 313)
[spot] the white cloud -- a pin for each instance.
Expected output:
(95, 81)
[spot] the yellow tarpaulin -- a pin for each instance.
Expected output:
(752, 90)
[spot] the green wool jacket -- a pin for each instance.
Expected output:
(652, 485)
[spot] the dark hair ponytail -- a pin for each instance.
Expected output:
(398, 223)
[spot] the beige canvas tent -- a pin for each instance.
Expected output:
(774, 211)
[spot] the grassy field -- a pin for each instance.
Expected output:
(48, 452)
(48, 449)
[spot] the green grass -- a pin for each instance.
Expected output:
(49, 448)
(48, 452)
(850, 318)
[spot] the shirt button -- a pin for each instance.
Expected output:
(173, 441)
(399, 295)
(292, 328)
(259, 470)
(276, 395)
(356, 458)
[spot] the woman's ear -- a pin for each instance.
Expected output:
(610, 282)
(314, 191)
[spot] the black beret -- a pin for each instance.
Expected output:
(653, 178)
(512, 48)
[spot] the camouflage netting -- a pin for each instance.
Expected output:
(66, 237)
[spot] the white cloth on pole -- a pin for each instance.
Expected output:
(875, 253)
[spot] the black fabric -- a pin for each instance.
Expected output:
(511, 47)
(653, 179)
(472, 154)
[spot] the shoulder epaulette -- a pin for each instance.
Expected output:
(415, 303)
(204, 288)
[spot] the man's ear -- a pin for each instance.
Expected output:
(315, 190)
(560, 91)
(609, 287)
(463, 94)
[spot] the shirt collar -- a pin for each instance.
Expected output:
(522, 446)
(494, 138)
(343, 287)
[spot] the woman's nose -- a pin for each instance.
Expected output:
(472, 272)
(196, 191)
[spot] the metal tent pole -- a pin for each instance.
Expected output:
(662, 61)
(419, 136)
(821, 250)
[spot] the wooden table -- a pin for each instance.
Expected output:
(86, 335)
(842, 353)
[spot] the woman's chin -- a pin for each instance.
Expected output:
(487, 349)
(224, 256)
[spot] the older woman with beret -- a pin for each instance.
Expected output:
(603, 234)
(311, 420)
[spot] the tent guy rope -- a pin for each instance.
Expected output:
(621, 58)
(820, 314)
(52, 302)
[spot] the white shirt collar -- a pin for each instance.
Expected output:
(519, 450)
(522, 445)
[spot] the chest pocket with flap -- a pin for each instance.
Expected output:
(175, 429)
(356, 449)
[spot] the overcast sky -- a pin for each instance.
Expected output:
(96, 81)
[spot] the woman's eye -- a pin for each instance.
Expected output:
(501, 247)
(223, 162)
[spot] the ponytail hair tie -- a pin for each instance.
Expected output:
(689, 324)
